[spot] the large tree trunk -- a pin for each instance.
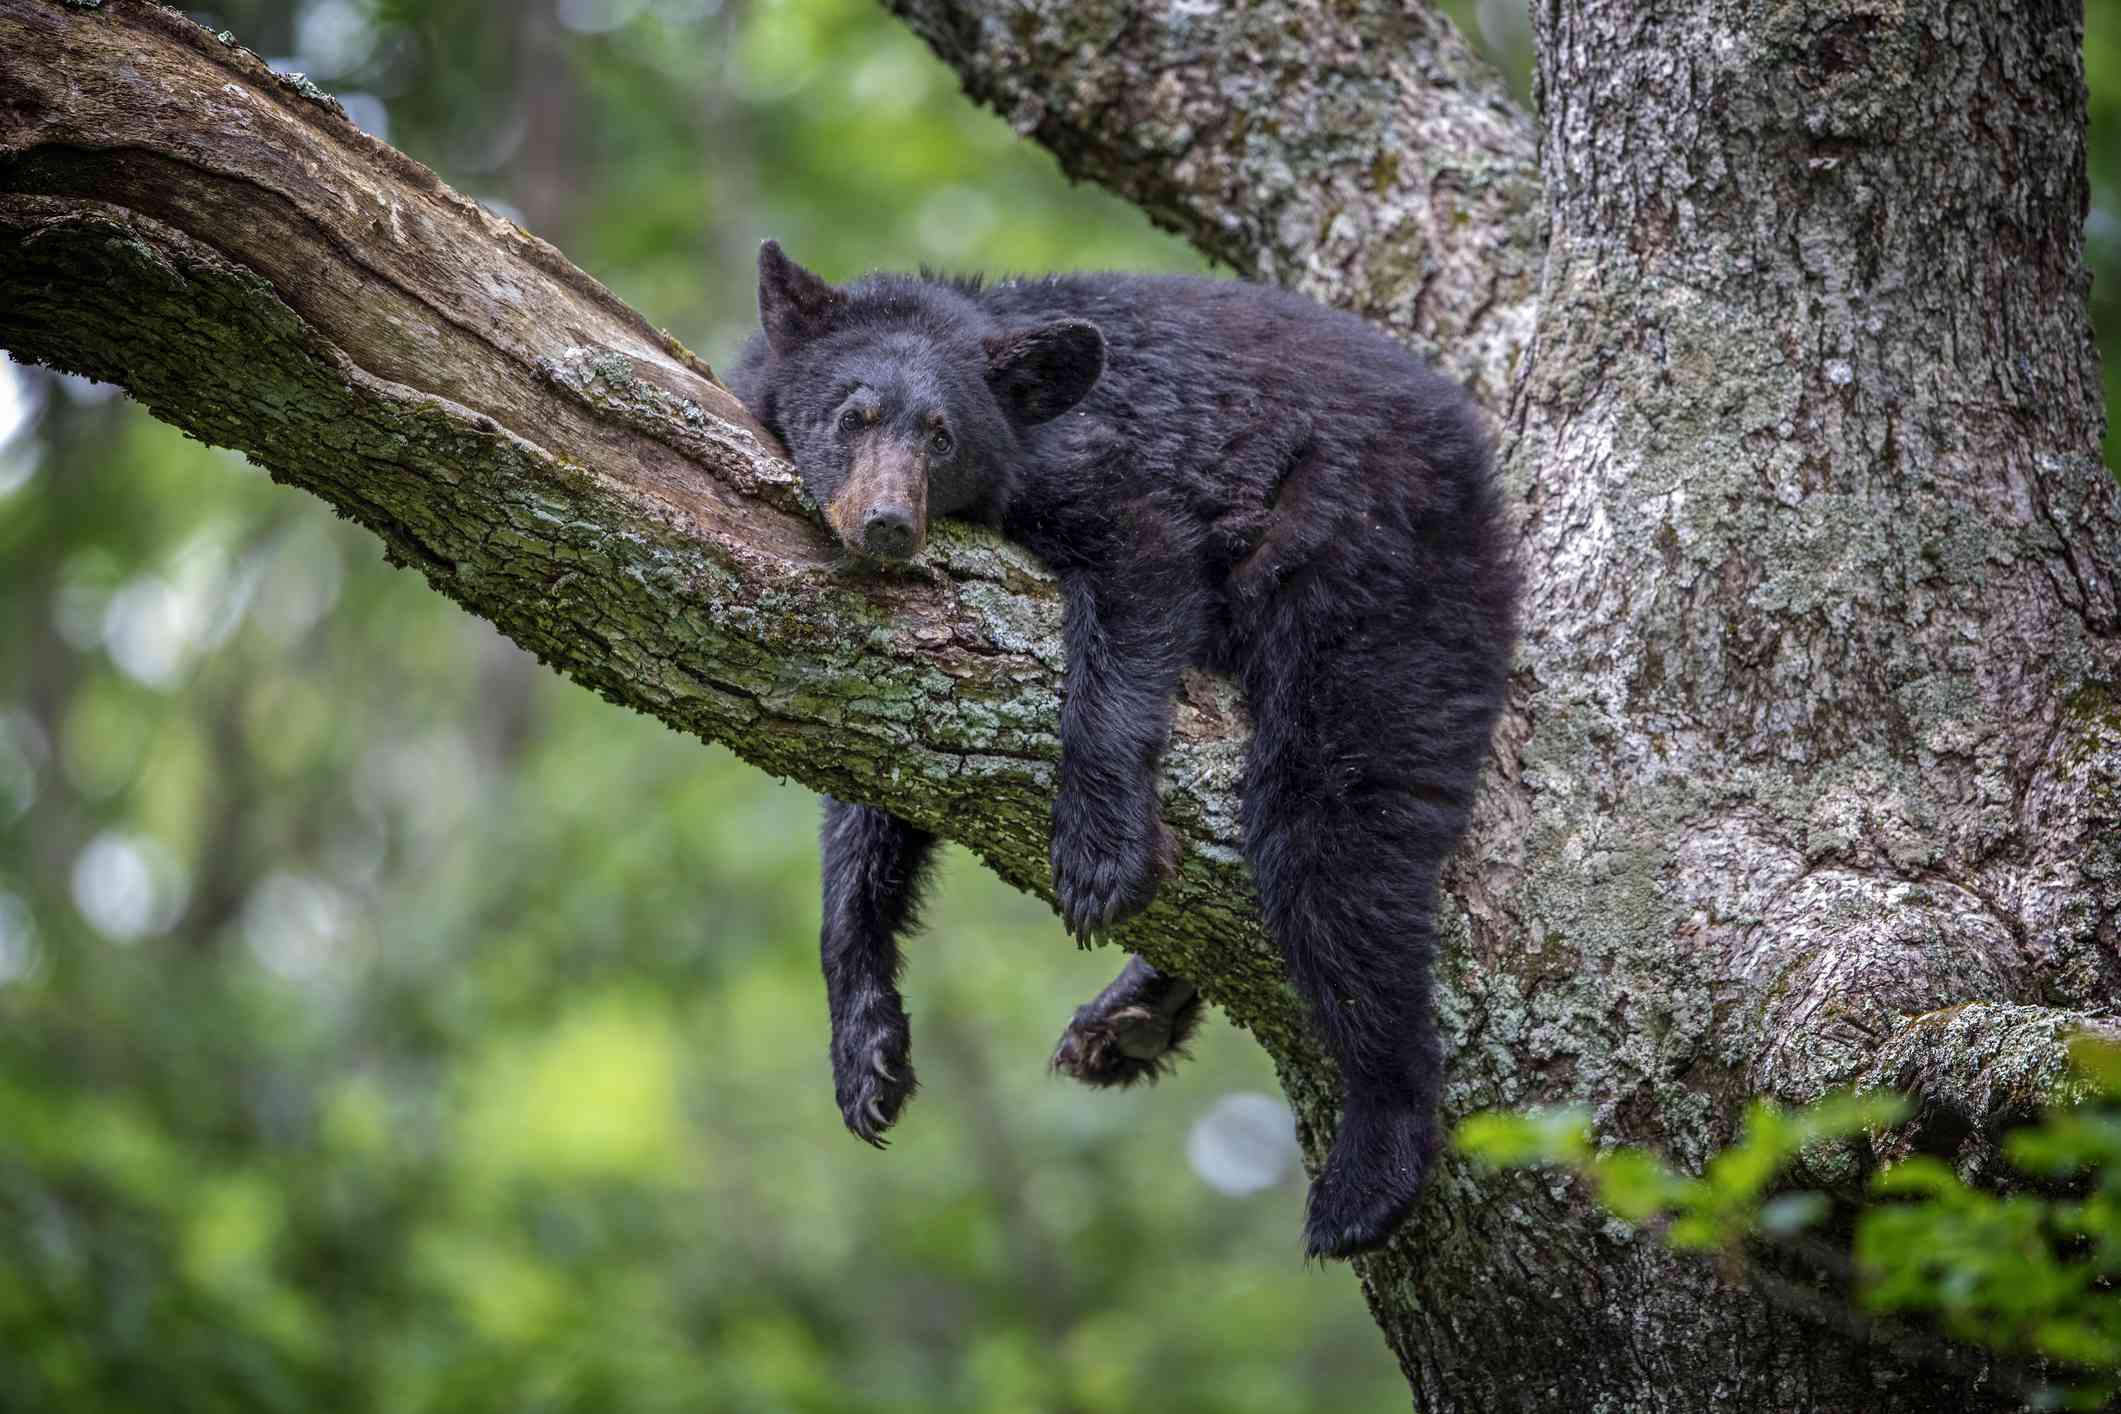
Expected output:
(1813, 774)
(1817, 741)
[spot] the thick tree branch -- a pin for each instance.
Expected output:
(1361, 153)
(176, 219)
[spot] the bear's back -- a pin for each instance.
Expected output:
(1217, 389)
(1198, 358)
(1177, 321)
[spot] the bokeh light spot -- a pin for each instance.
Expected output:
(128, 887)
(1246, 1142)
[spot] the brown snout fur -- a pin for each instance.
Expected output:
(882, 476)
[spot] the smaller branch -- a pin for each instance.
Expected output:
(1977, 1071)
(1360, 152)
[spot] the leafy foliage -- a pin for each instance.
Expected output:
(2030, 1273)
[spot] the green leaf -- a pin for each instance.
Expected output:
(1505, 1140)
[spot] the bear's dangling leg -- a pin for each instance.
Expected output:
(874, 868)
(1133, 1030)
(1126, 631)
(1360, 780)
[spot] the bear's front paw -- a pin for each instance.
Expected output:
(872, 1071)
(1103, 876)
(1372, 1176)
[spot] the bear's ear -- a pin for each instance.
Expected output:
(795, 306)
(1040, 373)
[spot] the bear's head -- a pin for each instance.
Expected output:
(902, 399)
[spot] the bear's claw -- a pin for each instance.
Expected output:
(872, 1073)
(1097, 886)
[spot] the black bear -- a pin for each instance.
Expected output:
(1221, 475)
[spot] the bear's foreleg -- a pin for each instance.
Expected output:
(1126, 635)
(874, 867)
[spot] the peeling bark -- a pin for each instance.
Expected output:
(1813, 771)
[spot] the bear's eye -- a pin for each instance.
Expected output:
(939, 442)
(852, 420)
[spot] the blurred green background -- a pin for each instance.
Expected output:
(387, 1024)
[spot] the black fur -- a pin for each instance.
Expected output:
(1136, 1029)
(875, 868)
(1222, 475)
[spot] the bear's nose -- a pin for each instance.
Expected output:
(887, 533)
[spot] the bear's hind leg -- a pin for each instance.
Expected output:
(874, 866)
(1133, 1030)
(1364, 760)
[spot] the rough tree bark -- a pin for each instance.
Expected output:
(1813, 774)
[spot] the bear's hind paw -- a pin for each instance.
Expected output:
(1372, 1178)
(1119, 1048)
